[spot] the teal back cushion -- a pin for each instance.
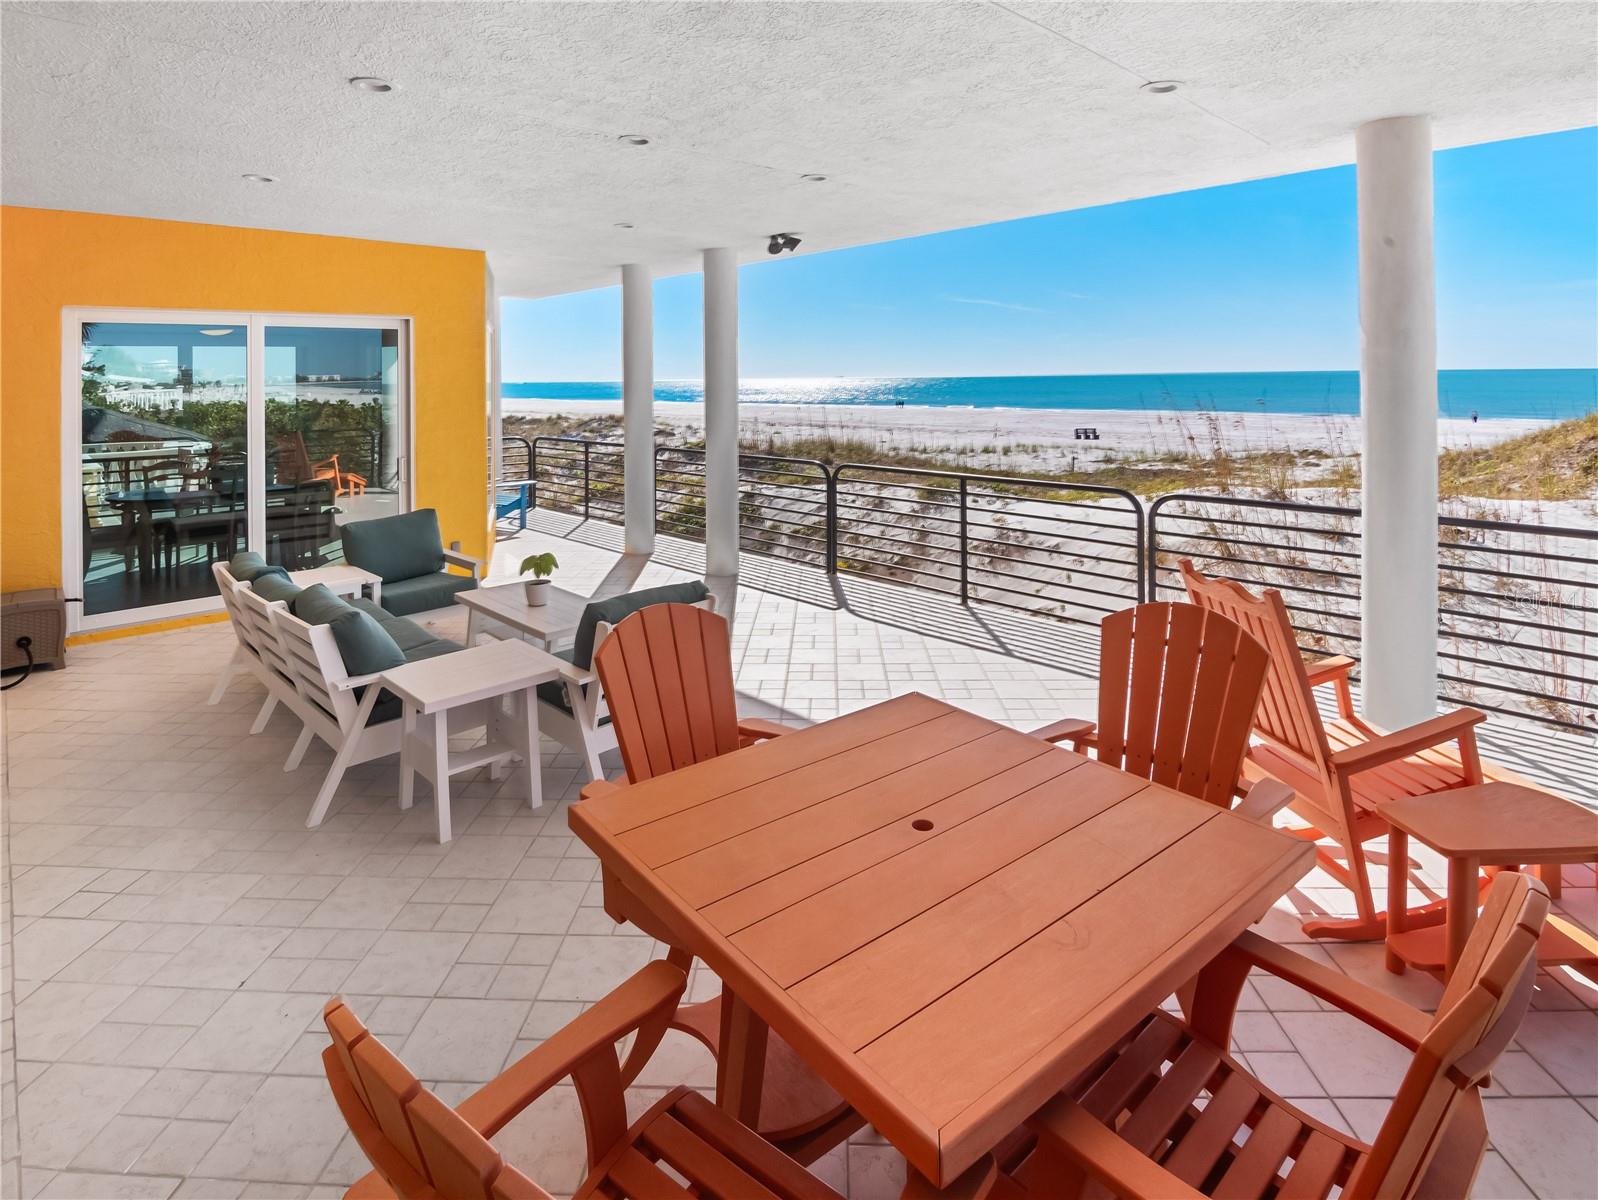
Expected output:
(274, 584)
(616, 608)
(399, 547)
(246, 565)
(364, 645)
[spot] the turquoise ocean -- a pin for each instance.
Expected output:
(1548, 395)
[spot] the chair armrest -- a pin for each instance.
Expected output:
(1386, 1014)
(600, 787)
(352, 682)
(456, 558)
(574, 674)
(1077, 730)
(758, 729)
(1328, 670)
(652, 992)
(1263, 800)
(1067, 1129)
(1391, 747)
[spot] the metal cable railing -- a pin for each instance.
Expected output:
(1518, 601)
(1064, 550)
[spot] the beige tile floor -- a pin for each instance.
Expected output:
(172, 928)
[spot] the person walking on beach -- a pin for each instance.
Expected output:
(1473, 416)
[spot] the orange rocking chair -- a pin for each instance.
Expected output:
(294, 465)
(1341, 771)
(666, 672)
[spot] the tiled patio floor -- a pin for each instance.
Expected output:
(176, 928)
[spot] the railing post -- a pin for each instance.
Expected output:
(832, 518)
(965, 567)
(586, 445)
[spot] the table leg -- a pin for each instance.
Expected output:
(471, 627)
(1464, 893)
(528, 702)
(1397, 891)
(407, 792)
(377, 593)
(741, 1062)
(441, 773)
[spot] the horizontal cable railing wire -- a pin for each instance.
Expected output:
(578, 476)
(1064, 550)
(1512, 639)
(782, 502)
(515, 460)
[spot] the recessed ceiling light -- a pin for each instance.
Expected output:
(370, 83)
(216, 332)
(261, 178)
(814, 178)
(1161, 87)
(624, 224)
(633, 139)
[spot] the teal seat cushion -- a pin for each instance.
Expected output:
(246, 565)
(615, 609)
(407, 634)
(365, 645)
(399, 547)
(274, 584)
(427, 592)
(432, 649)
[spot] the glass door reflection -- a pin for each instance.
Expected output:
(163, 460)
(334, 440)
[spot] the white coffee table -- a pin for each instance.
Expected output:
(494, 672)
(506, 604)
(341, 579)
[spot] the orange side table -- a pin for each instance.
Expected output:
(1492, 824)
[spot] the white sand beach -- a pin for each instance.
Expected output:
(1036, 439)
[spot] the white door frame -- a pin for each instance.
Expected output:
(255, 324)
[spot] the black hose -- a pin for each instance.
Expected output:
(25, 644)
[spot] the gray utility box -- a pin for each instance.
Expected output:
(40, 614)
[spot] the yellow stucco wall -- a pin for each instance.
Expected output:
(53, 260)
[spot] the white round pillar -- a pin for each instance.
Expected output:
(638, 406)
(1398, 410)
(721, 411)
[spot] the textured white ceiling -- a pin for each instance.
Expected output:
(502, 134)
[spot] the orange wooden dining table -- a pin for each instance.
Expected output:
(949, 920)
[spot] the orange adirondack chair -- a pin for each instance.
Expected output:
(1169, 1113)
(424, 1149)
(1343, 770)
(1178, 686)
(666, 672)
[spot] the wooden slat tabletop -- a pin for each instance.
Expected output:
(948, 919)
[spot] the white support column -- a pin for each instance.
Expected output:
(638, 405)
(1398, 410)
(721, 411)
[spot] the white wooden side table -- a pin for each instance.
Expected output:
(499, 673)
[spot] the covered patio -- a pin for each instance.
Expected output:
(174, 925)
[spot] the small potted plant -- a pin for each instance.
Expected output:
(542, 566)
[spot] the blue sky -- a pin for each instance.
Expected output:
(1255, 276)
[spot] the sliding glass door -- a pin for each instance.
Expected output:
(193, 436)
